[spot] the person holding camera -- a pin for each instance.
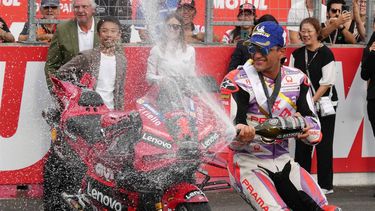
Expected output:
(245, 13)
(241, 54)
(318, 62)
(334, 30)
(298, 11)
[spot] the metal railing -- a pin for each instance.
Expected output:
(209, 20)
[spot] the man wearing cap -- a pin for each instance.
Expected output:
(265, 174)
(50, 9)
(245, 13)
(71, 37)
(193, 33)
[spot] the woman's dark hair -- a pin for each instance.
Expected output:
(181, 37)
(315, 23)
(236, 32)
(107, 19)
(266, 17)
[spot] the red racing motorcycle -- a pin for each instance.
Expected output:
(145, 159)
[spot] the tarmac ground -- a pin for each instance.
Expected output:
(353, 198)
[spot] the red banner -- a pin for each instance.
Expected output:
(21, 71)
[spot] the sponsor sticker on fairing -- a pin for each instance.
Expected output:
(212, 138)
(194, 193)
(159, 142)
(105, 172)
(103, 198)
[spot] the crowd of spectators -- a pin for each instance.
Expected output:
(341, 24)
(98, 43)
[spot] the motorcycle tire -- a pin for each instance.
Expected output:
(58, 178)
(53, 176)
(204, 206)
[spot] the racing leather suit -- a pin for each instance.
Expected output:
(244, 98)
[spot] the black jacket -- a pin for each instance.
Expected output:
(239, 56)
(368, 68)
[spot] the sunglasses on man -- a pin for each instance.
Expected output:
(335, 10)
(264, 51)
(50, 7)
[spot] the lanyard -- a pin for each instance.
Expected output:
(334, 38)
(271, 100)
(307, 70)
(307, 62)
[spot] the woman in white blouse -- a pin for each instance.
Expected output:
(171, 57)
(318, 62)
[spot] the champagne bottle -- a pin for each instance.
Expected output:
(280, 128)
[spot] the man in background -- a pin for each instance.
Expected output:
(106, 63)
(71, 37)
(50, 9)
(334, 30)
(193, 33)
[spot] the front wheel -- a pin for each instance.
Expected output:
(53, 178)
(58, 178)
(203, 206)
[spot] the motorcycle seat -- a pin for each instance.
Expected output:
(90, 98)
(87, 126)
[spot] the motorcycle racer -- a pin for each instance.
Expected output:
(264, 174)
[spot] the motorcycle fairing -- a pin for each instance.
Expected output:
(105, 195)
(183, 193)
(87, 126)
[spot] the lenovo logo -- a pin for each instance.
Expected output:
(210, 140)
(156, 141)
(103, 199)
(194, 193)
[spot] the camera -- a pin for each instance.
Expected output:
(345, 9)
(244, 34)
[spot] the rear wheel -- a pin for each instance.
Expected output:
(203, 206)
